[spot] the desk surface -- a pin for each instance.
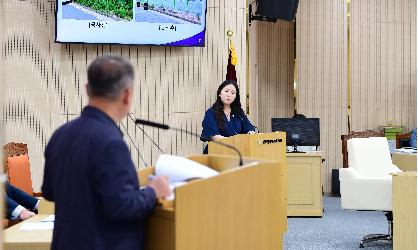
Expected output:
(405, 161)
(305, 154)
(14, 238)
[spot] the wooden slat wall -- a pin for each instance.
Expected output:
(321, 34)
(271, 72)
(384, 68)
(173, 85)
(2, 88)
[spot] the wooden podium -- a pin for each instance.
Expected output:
(238, 209)
(271, 146)
(268, 146)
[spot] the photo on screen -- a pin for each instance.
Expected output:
(137, 22)
(108, 10)
(169, 11)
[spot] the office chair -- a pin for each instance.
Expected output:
(18, 166)
(358, 134)
(367, 184)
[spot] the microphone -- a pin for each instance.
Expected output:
(163, 126)
(255, 127)
(153, 124)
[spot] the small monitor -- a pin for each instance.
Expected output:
(300, 131)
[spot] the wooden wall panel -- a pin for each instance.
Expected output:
(2, 91)
(321, 34)
(46, 81)
(384, 69)
(271, 72)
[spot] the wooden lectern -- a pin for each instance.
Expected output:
(271, 146)
(268, 146)
(238, 209)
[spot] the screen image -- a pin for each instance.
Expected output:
(147, 22)
(305, 130)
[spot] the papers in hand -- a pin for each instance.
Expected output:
(180, 169)
(173, 186)
(30, 226)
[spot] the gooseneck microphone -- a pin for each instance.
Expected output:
(256, 129)
(225, 145)
(153, 124)
(149, 137)
(163, 126)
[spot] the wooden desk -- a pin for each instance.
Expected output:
(304, 185)
(404, 207)
(46, 207)
(16, 239)
(405, 161)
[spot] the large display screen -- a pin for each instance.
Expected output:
(148, 22)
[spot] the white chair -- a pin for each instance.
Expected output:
(367, 184)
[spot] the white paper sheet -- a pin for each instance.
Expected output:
(50, 218)
(30, 226)
(180, 169)
(406, 150)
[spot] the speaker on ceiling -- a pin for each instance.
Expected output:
(281, 9)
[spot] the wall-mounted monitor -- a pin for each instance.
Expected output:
(147, 22)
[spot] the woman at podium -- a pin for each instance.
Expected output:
(225, 118)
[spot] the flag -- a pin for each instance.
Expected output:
(231, 74)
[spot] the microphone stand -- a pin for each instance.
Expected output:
(133, 143)
(163, 126)
(149, 137)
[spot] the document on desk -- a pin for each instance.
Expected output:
(31, 226)
(406, 150)
(180, 169)
(50, 218)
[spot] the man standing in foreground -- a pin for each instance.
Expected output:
(89, 173)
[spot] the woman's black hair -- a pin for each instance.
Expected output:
(218, 106)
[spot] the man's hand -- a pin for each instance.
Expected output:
(160, 185)
(26, 214)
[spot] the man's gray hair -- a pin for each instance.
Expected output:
(108, 76)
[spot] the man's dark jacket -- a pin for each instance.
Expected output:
(91, 178)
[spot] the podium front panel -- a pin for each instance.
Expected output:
(268, 146)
